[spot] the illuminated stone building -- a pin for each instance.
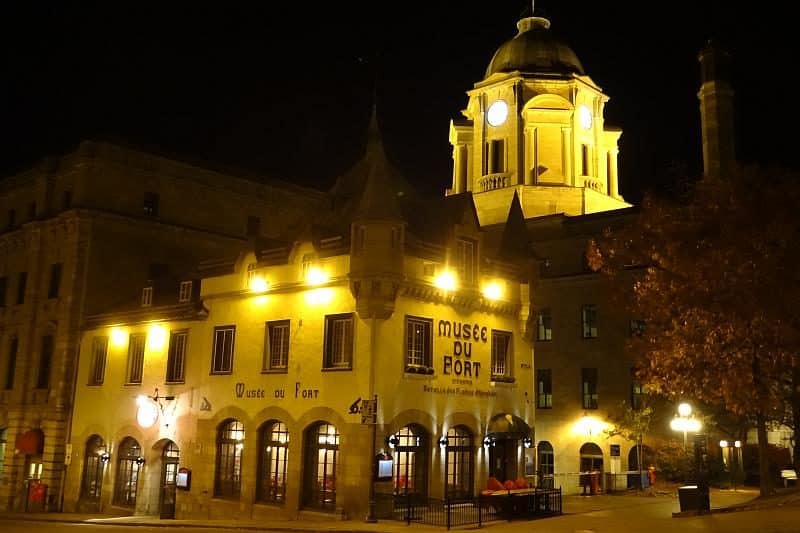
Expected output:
(79, 234)
(262, 381)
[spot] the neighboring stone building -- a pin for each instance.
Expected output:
(82, 233)
(259, 382)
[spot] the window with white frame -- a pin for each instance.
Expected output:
(276, 346)
(222, 356)
(544, 388)
(185, 291)
(338, 341)
(589, 387)
(147, 296)
(419, 342)
(501, 356)
(544, 325)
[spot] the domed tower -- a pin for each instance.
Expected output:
(534, 125)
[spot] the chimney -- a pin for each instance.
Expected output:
(716, 112)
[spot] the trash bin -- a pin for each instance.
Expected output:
(689, 498)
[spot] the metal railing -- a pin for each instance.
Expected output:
(500, 505)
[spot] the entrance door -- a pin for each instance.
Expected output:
(169, 470)
(503, 459)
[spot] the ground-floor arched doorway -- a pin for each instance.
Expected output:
(170, 457)
(504, 439)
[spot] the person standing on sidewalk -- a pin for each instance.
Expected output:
(651, 479)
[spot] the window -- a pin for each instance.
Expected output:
(584, 159)
(339, 341)
(637, 391)
(22, 281)
(150, 204)
(253, 226)
(319, 468)
(589, 387)
(92, 482)
(274, 447)
(128, 466)
(544, 388)
(637, 328)
(501, 356)
(544, 325)
(11, 367)
(185, 291)
(66, 200)
(465, 260)
(410, 461)
(176, 356)
(55, 280)
(458, 472)
(589, 315)
(45, 362)
(3, 287)
(135, 358)
(230, 442)
(306, 264)
(222, 358)
(545, 460)
(98, 366)
(147, 296)
(276, 346)
(419, 342)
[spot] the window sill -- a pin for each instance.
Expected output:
(275, 371)
(419, 369)
(221, 373)
(175, 382)
(337, 369)
(503, 379)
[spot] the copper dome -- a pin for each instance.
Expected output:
(535, 49)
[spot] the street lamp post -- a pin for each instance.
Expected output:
(737, 445)
(725, 448)
(685, 421)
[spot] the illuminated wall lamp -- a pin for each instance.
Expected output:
(105, 457)
(527, 441)
(140, 460)
(442, 441)
(488, 441)
(393, 441)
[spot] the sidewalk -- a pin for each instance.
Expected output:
(661, 503)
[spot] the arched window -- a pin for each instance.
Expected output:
(274, 452)
(591, 458)
(129, 463)
(633, 458)
(319, 472)
(458, 463)
(410, 461)
(230, 442)
(93, 468)
(545, 458)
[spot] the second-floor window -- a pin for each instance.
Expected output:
(135, 358)
(544, 388)
(176, 356)
(501, 355)
(22, 282)
(97, 369)
(185, 291)
(544, 325)
(338, 341)
(589, 320)
(45, 362)
(55, 280)
(419, 342)
(222, 357)
(589, 387)
(11, 366)
(465, 260)
(147, 296)
(276, 346)
(637, 391)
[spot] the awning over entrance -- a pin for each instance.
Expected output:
(508, 426)
(31, 442)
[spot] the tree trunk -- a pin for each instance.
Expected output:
(765, 480)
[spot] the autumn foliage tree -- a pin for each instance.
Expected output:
(715, 276)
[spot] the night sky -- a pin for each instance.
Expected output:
(286, 91)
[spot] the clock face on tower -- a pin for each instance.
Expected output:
(584, 117)
(497, 113)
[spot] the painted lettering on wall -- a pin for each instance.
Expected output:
(464, 335)
(242, 391)
(305, 392)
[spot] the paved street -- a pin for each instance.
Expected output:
(627, 513)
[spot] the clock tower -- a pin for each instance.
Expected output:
(534, 126)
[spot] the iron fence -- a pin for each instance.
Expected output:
(501, 505)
